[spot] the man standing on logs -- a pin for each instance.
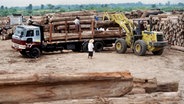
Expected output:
(77, 24)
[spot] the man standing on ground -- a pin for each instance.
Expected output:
(90, 48)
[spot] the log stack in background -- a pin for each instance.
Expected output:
(172, 26)
(6, 30)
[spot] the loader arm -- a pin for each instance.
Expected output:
(123, 22)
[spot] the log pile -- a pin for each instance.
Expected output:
(6, 30)
(172, 26)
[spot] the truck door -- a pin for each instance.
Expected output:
(37, 37)
(33, 35)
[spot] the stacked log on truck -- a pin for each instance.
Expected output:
(172, 26)
(63, 27)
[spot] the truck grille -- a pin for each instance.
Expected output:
(159, 37)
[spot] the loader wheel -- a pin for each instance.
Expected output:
(35, 52)
(120, 46)
(98, 46)
(159, 52)
(140, 48)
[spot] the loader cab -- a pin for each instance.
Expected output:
(142, 25)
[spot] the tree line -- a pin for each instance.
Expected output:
(122, 7)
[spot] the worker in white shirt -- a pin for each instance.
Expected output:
(77, 24)
(90, 48)
(30, 21)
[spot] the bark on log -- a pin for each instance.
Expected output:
(49, 87)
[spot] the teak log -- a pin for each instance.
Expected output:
(76, 13)
(84, 35)
(71, 22)
(48, 87)
(58, 19)
(154, 98)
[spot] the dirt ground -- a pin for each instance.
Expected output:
(166, 68)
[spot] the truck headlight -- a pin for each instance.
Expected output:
(22, 46)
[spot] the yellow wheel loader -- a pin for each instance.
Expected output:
(137, 37)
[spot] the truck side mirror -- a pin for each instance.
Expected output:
(29, 40)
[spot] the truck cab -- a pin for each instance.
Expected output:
(27, 40)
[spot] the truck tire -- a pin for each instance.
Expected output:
(24, 53)
(35, 52)
(98, 46)
(120, 46)
(159, 52)
(85, 47)
(140, 48)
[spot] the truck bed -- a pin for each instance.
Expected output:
(82, 35)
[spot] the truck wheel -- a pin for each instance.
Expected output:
(98, 46)
(85, 47)
(120, 46)
(35, 52)
(140, 48)
(23, 53)
(159, 52)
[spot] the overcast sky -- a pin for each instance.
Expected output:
(11, 3)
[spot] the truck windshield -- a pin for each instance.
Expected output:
(19, 32)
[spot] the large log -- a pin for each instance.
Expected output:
(48, 87)
(105, 24)
(71, 22)
(58, 19)
(142, 86)
(84, 35)
(72, 27)
(178, 48)
(76, 13)
(154, 98)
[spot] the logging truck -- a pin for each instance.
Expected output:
(31, 40)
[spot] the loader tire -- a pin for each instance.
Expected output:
(120, 46)
(140, 48)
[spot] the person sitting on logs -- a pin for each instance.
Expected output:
(77, 24)
(30, 21)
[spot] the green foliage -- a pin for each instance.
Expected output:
(49, 8)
